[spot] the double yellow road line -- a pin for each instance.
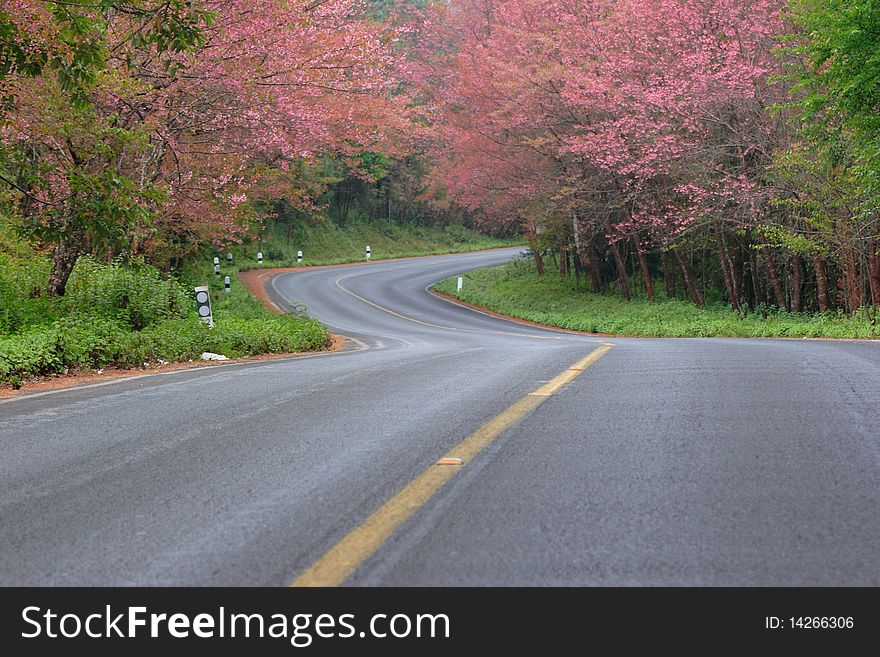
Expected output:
(342, 559)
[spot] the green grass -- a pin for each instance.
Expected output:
(324, 243)
(516, 290)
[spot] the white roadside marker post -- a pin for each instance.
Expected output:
(369, 252)
(203, 304)
(299, 257)
(216, 266)
(260, 258)
(227, 284)
(229, 257)
(460, 283)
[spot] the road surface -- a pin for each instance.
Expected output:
(662, 462)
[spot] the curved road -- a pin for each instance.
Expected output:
(692, 462)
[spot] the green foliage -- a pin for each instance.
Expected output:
(325, 243)
(85, 341)
(21, 304)
(834, 61)
(100, 200)
(136, 295)
(516, 290)
(70, 42)
(185, 339)
(126, 315)
(841, 45)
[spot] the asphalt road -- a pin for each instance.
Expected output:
(668, 462)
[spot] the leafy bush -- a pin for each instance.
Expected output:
(184, 339)
(93, 341)
(71, 342)
(137, 295)
(21, 279)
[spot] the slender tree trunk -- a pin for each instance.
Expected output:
(757, 288)
(623, 281)
(643, 265)
(668, 275)
(874, 271)
(725, 267)
(539, 262)
(704, 278)
(595, 268)
(67, 251)
(687, 273)
(821, 283)
(589, 266)
(579, 255)
(563, 262)
(797, 283)
(532, 238)
(774, 279)
(748, 286)
(851, 279)
(740, 275)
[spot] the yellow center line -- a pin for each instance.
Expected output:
(342, 559)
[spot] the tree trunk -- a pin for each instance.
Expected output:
(621, 271)
(851, 279)
(643, 265)
(746, 295)
(821, 283)
(563, 262)
(668, 275)
(874, 271)
(725, 267)
(532, 239)
(579, 255)
(774, 279)
(740, 275)
(797, 283)
(748, 285)
(687, 273)
(67, 250)
(539, 262)
(757, 288)
(595, 268)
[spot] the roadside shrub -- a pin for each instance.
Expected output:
(458, 234)
(137, 294)
(86, 341)
(90, 341)
(21, 305)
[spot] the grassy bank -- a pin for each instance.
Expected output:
(325, 243)
(516, 290)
